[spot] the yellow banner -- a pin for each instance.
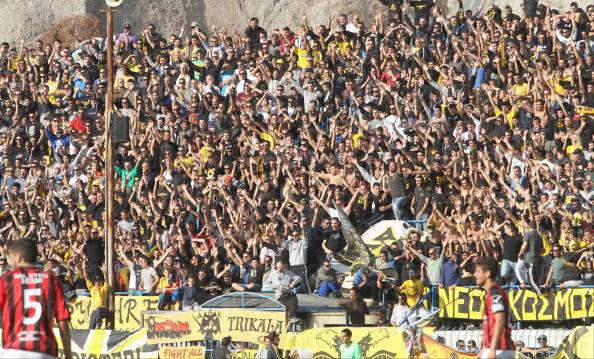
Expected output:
(196, 352)
(107, 344)
(128, 311)
(584, 110)
(245, 354)
(325, 342)
(241, 324)
(572, 303)
(374, 342)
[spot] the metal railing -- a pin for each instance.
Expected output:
(527, 336)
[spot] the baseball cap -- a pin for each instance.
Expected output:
(194, 24)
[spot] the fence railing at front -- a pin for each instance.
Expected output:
(471, 338)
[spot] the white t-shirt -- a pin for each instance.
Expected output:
(399, 314)
(147, 276)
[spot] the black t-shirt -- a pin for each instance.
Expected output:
(530, 7)
(422, 8)
(404, 266)
(394, 9)
(335, 240)
(511, 246)
(95, 251)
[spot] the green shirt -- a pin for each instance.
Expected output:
(127, 177)
(353, 351)
(558, 266)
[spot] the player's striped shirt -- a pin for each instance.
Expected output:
(496, 301)
(30, 299)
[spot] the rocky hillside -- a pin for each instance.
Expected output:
(29, 18)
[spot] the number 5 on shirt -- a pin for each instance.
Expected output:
(30, 302)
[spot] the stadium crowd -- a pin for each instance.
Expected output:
(475, 127)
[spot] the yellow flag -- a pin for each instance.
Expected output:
(584, 110)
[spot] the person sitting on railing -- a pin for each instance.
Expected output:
(562, 273)
(332, 288)
(190, 294)
(284, 282)
(166, 287)
(226, 283)
(251, 275)
(325, 274)
(212, 290)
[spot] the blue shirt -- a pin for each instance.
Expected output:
(358, 279)
(450, 273)
(327, 287)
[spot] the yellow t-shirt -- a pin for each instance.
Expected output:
(187, 161)
(13, 63)
(571, 148)
(356, 138)
(413, 291)
(344, 46)
(134, 68)
(205, 152)
(163, 283)
(268, 138)
(509, 116)
(302, 58)
(521, 90)
(176, 53)
(98, 295)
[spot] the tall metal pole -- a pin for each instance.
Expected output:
(109, 175)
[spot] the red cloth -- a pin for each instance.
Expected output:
(78, 125)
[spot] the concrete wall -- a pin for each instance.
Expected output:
(26, 19)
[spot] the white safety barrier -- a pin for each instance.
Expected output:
(527, 336)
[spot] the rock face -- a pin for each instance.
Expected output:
(27, 19)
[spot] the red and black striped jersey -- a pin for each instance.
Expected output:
(496, 301)
(30, 299)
